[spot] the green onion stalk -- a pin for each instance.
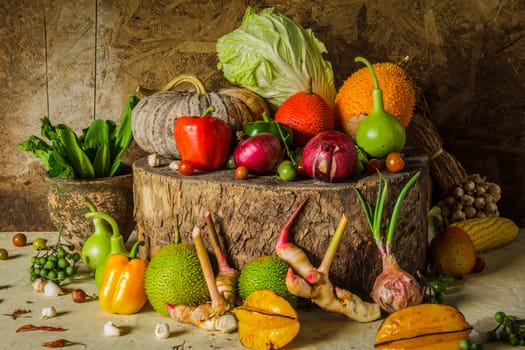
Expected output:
(393, 288)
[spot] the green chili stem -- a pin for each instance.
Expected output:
(288, 152)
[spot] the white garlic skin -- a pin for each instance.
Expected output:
(51, 289)
(110, 330)
(48, 312)
(162, 330)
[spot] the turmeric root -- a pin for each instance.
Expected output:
(306, 281)
(216, 315)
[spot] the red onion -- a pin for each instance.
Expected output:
(259, 153)
(394, 288)
(330, 156)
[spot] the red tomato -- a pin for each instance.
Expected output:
(19, 240)
(241, 173)
(395, 162)
(373, 165)
(186, 167)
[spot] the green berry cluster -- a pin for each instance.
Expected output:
(465, 344)
(509, 329)
(434, 289)
(55, 263)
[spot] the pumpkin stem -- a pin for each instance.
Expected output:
(180, 79)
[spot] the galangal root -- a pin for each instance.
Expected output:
(307, 281)
(216, 315)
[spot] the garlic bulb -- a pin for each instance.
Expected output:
(110, 330)
(51, 289)
(162, 330)
(48, 312)
(39, 284)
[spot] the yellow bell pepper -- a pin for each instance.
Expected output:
(122, 287)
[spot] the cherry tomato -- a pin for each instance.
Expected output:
(230, 163)
(39, 243)
(373, 165)
(186, 167)
(479, 265)
(395, 162)
(286, 170)
(19, 240)
(3, 254)
(241, 173)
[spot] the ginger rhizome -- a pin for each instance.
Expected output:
(216, 315)
(307, 281)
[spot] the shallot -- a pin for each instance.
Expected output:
(330, 156)
(260, 153)
(394, 288)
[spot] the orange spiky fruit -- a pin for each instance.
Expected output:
(354, 100)
(307, 114)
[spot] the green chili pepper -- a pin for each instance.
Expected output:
(279, 130)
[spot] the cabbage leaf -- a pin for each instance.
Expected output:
(274, 57)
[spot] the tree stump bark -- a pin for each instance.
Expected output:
(249, 215)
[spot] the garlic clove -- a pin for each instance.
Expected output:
(39, 284)
(162, 330)
(48, 312)
(111, 330)
(51, 289)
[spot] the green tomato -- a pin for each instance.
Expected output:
(230, 163)
(39, 244)
(286, 170)
(4, 254)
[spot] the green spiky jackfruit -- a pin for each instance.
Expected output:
(174, 275)
(265, 272)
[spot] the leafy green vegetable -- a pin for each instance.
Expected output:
(96, 153)
(275, 58)
(79, 160)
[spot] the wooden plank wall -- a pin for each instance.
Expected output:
(75, 61)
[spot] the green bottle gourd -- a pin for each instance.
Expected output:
(117, 245)
(379, 133)
(97, 246)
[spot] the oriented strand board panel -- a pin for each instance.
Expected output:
(79, 60)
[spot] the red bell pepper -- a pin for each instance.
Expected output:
(204, 141)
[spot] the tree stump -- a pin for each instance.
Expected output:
(249, 215)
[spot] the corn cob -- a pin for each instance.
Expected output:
(489, 232)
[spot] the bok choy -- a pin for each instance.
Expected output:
(96, 153)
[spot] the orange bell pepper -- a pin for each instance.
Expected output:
(122, 287)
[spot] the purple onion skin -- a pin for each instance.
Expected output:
(330, 156)
(394, 288)
(260, 154)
